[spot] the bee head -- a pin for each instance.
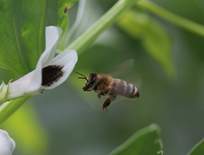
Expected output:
(90, 82)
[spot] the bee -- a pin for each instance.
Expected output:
(106, 85)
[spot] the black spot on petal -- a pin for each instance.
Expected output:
(51, 74)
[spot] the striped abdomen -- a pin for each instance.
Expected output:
(124, 88)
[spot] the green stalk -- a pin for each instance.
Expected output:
(9, 107)
(171, 17)
(103, 23)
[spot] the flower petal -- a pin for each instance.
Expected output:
(52, 36)
(28, 84)
(7, 144)
(66, 60)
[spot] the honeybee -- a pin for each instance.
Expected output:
(106, 85)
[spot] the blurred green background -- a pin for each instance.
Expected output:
(72, 122)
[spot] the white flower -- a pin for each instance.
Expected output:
(51, 69)
(7, 144)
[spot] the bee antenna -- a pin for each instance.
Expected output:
(82, 76)
(79, 73)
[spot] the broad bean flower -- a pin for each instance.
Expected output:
(52, 69)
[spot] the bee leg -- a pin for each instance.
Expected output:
(108, 101)
(100, 94)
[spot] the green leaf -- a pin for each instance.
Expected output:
(22, 31)
(21, 34)
(25, 128)
(144, 142)
(153, 36)
(198, 149)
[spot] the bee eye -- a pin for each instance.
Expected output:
(92, 82)
(92, 76)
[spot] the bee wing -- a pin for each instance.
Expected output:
(123, 69)
(126, 71)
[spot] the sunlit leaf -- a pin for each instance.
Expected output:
(144, 142)
(22, 30)
(198, 149)
(153, 36)
(27, 132)
(21, 34)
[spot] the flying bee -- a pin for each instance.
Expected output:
(106, 85)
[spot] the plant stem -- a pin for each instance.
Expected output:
(104, 22)
(9, 107)
(171, 17)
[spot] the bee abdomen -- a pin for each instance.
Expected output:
(126, 89)
(134, 91)
(131, 90)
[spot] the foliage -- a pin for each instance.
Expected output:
(146, 141)
(154, 37)
(198, 149)
(22, 32)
